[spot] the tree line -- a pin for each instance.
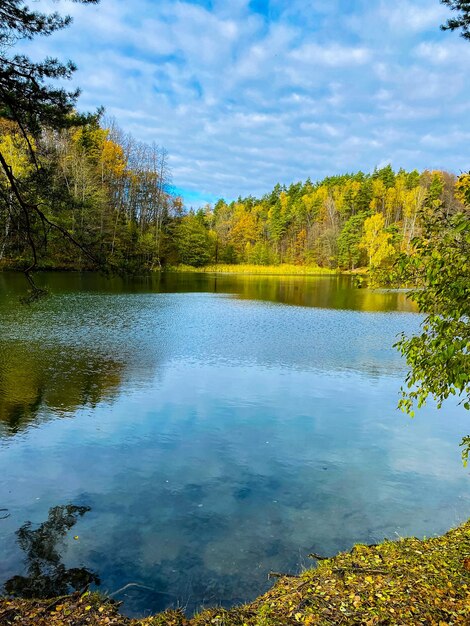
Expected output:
(112, 194)
(342, 222)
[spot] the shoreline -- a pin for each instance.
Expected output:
(284, 269)
(409, 581)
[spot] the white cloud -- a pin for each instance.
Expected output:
(407, 16)
(452, 54)
(334, 55)
(243, 100)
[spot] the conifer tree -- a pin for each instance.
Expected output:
(462, 21)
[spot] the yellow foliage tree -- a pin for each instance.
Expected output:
(376, 241)
(413, 202)
(112, 159)
(462, 188)
(379, 194)
(245, 230)
(15, 149)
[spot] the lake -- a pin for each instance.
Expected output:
(209, 429)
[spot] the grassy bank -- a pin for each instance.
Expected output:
(271, 270)
(394, 583)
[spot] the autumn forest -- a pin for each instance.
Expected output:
(113, 195)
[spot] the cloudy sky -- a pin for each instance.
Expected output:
(244, 94)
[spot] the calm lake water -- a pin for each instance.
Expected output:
(213, 429)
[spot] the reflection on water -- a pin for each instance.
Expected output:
(213, 433)
(47, 576)
(65, 363)
(33, 377)
(330, 292)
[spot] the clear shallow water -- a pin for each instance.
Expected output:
(216, 427)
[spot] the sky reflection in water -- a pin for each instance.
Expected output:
(217, 429)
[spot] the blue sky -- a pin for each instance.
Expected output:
(247, 93)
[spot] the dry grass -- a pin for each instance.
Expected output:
(267, 270)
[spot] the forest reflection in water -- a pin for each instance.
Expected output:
(33, 377)
(63, 378)
(331, 291)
